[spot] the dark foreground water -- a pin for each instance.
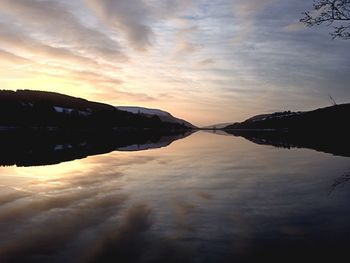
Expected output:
(204, 198)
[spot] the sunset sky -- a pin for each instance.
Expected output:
(205, 61)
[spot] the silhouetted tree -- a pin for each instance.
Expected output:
(330, 12)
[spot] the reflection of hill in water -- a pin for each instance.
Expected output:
(337, 143)
(43, 148)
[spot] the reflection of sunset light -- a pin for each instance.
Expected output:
(48, 171)
(194, 180)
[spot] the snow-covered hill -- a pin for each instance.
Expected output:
(146, 111)
(163, 115)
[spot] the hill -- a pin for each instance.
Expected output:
(163, 115)
(331, 119)
(49, 110)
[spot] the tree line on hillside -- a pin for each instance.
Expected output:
(28, 109)
(332, 119)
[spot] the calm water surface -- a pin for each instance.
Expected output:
(206, 198)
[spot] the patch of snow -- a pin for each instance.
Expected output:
(58, 109)
(8, 128)
(84, 113)
(134, 147)
(59, 147)
(62, 110)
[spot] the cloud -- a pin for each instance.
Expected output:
(185, 48)
(117, 96)
(136, 19)
(173, 7)
(11, 58)
(245, 12)
(15, 39)
(294, 27)
(206, 62)
(76, 75)
(185, 43)
(60, 26)
(249, 8)
(130, 17)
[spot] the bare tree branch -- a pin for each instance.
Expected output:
(332, 100)
(330, 12)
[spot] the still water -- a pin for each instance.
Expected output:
(204, 198)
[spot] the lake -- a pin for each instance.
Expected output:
(203, 198)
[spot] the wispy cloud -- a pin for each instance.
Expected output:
(130, 17)
(52, 21)
(206, 62)
(10, 58)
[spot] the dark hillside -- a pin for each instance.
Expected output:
(49, 110)
(334, 118)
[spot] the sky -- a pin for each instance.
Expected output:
(205, 61)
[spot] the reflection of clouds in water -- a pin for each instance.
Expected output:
(131, 241)
(205, 195)
(117, 159)
(57, 219)
(124, 240)
(54, 214)
(42, 195)
(183, 212)
(52, 231)
(10, 195)
(180, 204)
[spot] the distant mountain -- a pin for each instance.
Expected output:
(163, 115)
(217, 126)
(331, 119)
(51, 111)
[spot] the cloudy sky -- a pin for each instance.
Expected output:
(205, 61)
